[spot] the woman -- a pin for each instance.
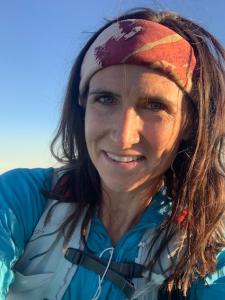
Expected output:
(137, 211)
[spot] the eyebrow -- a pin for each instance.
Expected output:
(101, 91)
(159, 98)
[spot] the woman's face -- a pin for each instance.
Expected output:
(133, 125)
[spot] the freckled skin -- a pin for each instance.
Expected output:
(133, 121)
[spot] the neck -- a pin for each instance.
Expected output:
(119, 211)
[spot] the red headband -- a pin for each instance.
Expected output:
(140, 42)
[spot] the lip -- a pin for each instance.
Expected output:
(124, 165)
(123, 153)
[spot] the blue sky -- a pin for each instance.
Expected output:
(39, 41)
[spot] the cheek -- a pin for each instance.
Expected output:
(162, 133)
(90, 128)
(93, 126)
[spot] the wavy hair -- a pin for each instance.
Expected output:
(195, 180)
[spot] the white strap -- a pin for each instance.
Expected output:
(65, 269)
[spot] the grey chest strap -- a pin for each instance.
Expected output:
(118, 273)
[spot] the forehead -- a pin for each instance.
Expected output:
(133, 79)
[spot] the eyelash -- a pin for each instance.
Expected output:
(100, 100)
(110, 100)
(160, 106)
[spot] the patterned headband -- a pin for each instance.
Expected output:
(140, 42)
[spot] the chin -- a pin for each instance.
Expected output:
(123, 187)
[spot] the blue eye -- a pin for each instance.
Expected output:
(155, 106)
(104, 99)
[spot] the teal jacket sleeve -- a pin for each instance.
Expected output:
(213, 285)
(21, 205)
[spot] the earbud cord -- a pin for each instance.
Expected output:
(101, 278)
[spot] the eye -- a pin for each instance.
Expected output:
(105, 99)
(155, 105)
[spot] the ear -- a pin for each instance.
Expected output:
(83, 98)
(188, 121)
(187, 133)
(187, 129)
(82, 101)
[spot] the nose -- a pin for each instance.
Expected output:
(126, 129)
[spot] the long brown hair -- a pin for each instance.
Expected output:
(195, 180)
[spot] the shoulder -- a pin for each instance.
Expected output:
(213, 285)
(24, 184)
(21, 195)
(20, 181)
(26, 176)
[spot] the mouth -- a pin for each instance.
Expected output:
(124, 159)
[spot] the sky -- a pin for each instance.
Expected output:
(39, 41)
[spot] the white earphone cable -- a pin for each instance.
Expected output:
(101, 278)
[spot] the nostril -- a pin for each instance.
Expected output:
(125, 138)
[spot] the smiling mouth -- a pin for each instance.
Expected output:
(124, 158)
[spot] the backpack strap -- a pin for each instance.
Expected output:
(118, 273)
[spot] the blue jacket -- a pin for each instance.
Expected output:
(21, 205)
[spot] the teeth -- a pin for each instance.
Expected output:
(125, 159)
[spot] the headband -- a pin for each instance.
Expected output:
(140, 42)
